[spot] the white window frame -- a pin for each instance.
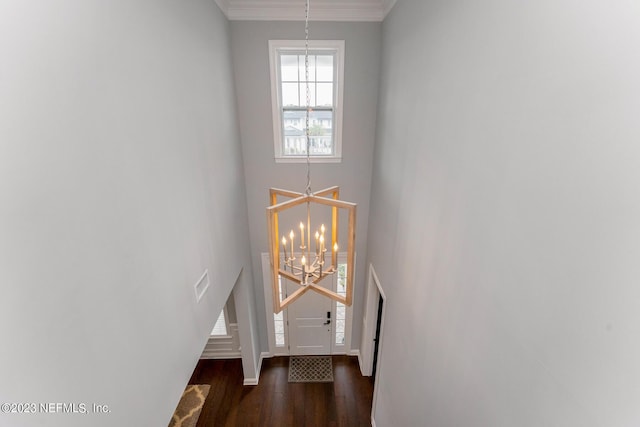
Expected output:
(315, 46)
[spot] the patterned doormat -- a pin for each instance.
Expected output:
(310, 369)
(190, 406)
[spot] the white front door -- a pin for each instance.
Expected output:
(309, 325)
(300, 328)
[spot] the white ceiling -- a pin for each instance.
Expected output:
(293, 10)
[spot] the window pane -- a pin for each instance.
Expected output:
(280, 294)
(342, 279)
(312, 68)
(340, 311)
(290, 95)
(278, 320)
(340, 338)
(220, 328)
(279, 327)
(325, 68)
(325, 95)
(303, 94)
(320, 133)
(289, 68)
(294, 133)
(320, 123)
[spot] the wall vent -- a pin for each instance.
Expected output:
(202, 285)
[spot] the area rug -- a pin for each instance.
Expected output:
(190, 406)
(310, 369)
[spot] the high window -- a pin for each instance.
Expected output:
(289, 99)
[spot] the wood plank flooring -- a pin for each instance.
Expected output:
(278, 403)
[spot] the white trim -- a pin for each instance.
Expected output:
(356, 353)
(223, 346)
(321, 10)
(250, 381)
(224, 6)
(387, 5)
(199, 288)
(314, 45)
(376, 384)
(369, 319)
(270, 10)
(301, 159)
(254, 381)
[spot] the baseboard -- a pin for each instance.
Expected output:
(356, 352)
(221, 356)
(263, 356)
(254, 381)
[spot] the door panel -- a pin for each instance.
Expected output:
(309, 328)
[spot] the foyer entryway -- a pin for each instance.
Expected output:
(311, 325)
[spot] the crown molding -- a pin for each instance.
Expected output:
(224, 6)
(387, 5)
(321, 10)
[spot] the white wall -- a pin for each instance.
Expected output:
(120, 182)
(506, 181)
(250, 51)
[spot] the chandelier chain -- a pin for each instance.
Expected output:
(313, 259)
(308, 105)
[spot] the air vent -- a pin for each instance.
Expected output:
(202, 285)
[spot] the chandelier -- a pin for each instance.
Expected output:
(292, 256)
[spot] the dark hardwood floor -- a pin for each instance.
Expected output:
(276, 402)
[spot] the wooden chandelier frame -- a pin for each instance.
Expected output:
(296, 199)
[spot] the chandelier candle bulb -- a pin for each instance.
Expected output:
(301, 235)
(317, 239)
(303, 262)
(284, 247)
(291, 237)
